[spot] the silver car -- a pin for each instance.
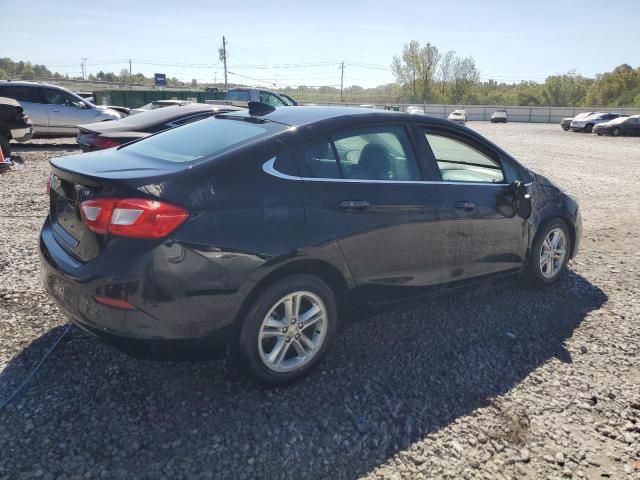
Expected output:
(54, 111)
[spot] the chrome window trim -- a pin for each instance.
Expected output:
(268, 168)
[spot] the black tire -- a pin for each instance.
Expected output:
(588, 128)
(4, 144)
(565, 128)
(248, 354)
(536, 274)
(616, 132)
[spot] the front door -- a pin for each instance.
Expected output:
(66, 112)
(369, 190)
(482, 215)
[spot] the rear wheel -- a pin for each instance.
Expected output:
(588, 128)
(550, 252)
(288, 329)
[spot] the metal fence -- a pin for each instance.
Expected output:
(516, 114)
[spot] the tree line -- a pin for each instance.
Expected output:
(422, 74)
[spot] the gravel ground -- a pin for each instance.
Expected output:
(504, 381)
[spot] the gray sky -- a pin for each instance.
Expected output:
(291, 43)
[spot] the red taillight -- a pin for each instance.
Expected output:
(114, 302)
(102, 143)
(132, 217)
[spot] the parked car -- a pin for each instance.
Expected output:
(15, 124)
(258, 232)
(415, 110)
(499, 116)
(619, 126)
(101, 135)
(565, 123)
(459, 116)
(269, 97)
(158, 104)
(586, 124)
(54, 111)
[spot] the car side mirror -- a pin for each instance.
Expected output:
(517, 189)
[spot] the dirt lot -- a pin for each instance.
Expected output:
(502, 382)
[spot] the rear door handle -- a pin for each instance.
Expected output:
(354, 204)
(465, 205)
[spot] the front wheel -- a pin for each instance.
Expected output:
(550, 252)
(616, 132)
(288, 329)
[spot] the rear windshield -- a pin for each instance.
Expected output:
(202, 139)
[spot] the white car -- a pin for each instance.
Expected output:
(499, 116)
(586, 124)
(415, 110)
(158, 104)
(458, 116)
(55, 111)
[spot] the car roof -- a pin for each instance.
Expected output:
(23, 83)
(150, 118)
(305, 115)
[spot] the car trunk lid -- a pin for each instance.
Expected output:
(111, 173)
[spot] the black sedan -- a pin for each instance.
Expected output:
(101, 135)
(628, 126)
(258, 230)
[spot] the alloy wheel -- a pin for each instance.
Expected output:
(553, 253)
(293, 331)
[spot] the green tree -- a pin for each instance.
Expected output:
(416, 68)
(27, 72)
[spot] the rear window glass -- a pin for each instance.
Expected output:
(202, 139)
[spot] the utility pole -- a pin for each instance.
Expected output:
(223, 56)
(341, 79)
(130, 76)
(84, 60)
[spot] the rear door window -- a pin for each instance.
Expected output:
(238, 96)
(23, 94)
(376, 153)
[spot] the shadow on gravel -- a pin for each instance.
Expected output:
(45, 147)
(388, 382)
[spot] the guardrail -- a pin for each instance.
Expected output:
(516, 113)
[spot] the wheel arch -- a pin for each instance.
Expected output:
(321, 269)
(556, 216)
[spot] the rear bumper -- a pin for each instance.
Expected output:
(181, 298)
(22, 134)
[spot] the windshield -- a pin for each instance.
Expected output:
(203, 139)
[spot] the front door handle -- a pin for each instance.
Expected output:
(465, 205)
(354, 204)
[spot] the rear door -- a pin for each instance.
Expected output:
(485, 233)
(368, 185)
(32, 100)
